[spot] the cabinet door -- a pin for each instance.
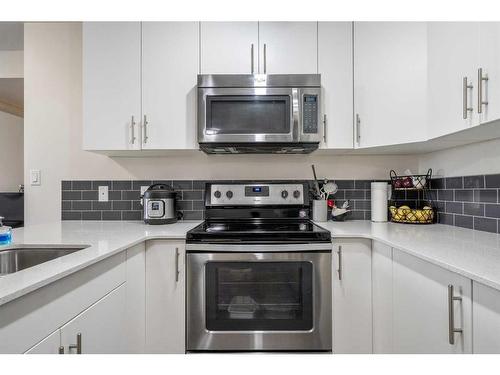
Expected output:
(102, 326)
(169, 70)
(352, 308)
(229, 47)
(390, 82)
(49, 345)
(421, 318)
(486, 317)
(489, 61)
(335, 67)
(452, 56)
(288, 47)
(111, 85)
(382, 298)
(136, 299)
(165, 301)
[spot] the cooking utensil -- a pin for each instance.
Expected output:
(316, 183)
(328, 188)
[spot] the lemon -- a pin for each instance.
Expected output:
(419, 215)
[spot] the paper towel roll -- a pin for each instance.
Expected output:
(381, 193)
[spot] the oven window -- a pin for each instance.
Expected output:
(253, 114)
(243, 296)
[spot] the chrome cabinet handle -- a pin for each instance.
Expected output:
(177, 264)
(265, 58)
(251, 59)
(480, 79)
(132, 127)
(358, 128)
(61, 350)
(339, 271)
(144, 129)
(465, 105)
(451, 316)
(78, 345)
(324, 128)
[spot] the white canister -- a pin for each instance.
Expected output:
(320, 210)
(381, 193)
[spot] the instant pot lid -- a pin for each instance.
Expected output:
(160, 191)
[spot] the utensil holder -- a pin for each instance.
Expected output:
(320, 210)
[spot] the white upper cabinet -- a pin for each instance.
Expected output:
(453, 60)
(489, 62)
(335, 67)
(288, 47)
(170, 56)
(229, 47)
(390, 75)
(111, 85)
(425, 309)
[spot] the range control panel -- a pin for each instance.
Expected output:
(256, 194)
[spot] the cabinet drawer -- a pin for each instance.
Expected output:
(31, 318)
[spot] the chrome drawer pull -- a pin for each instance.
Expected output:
(451, 316)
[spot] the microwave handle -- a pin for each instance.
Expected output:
(296, 113)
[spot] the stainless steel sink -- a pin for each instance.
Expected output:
(19, 258)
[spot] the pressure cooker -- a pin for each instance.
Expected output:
(158, 203)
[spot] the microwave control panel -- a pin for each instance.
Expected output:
(310, 114)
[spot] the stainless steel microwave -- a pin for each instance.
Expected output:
(278, 113)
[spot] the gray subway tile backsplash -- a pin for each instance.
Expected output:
(474, 182)
(492, 181)
(472, 204)
(485, 224)
(468, 201)
(124, 198)
(454, 182)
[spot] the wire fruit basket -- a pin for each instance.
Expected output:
(411, 201)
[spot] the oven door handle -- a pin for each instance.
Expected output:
(270, 248)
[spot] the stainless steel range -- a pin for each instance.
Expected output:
(258, 272)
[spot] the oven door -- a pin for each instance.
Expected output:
(259, 301)
(248, 115)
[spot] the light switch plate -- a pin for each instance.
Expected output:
(103, 193)
(35, 177)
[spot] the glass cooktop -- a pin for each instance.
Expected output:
(265, 231)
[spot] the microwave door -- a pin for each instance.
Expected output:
(236, 115)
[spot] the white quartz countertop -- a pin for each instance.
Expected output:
(103, 239)
(473, 254)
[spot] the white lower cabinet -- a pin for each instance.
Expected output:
(49, 345)
(165, 297)
(352, 302)
(382, 298)
(100, 329)
(486, 319)
(421, 300)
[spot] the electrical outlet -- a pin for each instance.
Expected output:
(35, 177)
(143, 189)
(103, 194)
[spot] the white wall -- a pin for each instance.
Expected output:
(11, 152)
(476, 158)
(53, 136)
